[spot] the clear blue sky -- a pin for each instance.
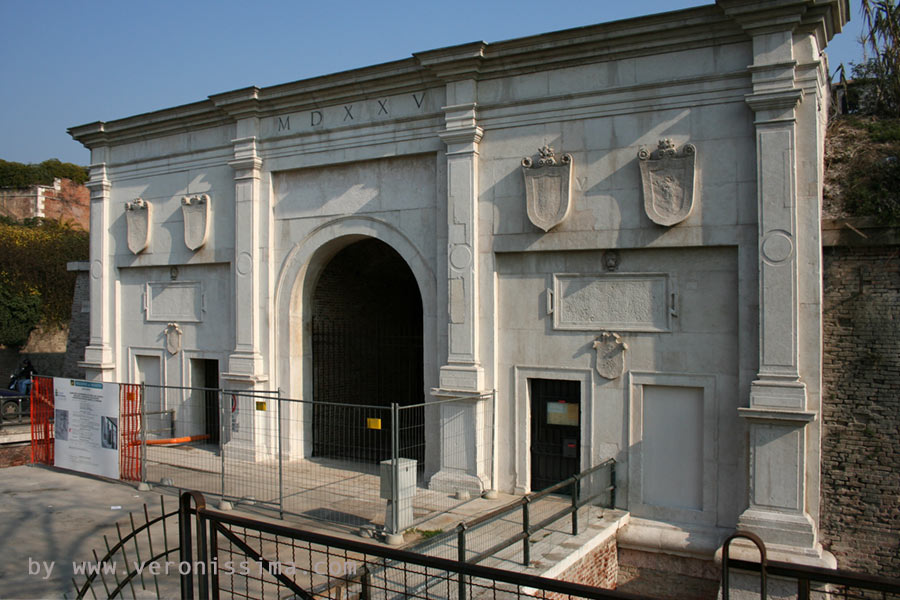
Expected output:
(70, 62)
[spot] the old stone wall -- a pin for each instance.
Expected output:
(65, 201)
(860, 521)
(80, 324)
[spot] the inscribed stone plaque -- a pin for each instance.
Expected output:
(614, 301)
(174, 301)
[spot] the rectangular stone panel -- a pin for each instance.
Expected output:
(175, 301)
(611, 301)
(672, 447)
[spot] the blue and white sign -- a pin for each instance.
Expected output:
(87, 426)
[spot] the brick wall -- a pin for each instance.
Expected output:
(600, 568)
(71, 202)
(14, 455)
(860, 521)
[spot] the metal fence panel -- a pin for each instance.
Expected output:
(42, 420)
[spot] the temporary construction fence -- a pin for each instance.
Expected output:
(42, 420)
(379, 467)
(360, 465)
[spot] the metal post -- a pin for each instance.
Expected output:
(803, 589)
(612, 485)
(280, 457)
(526, 548)
(222, 414)
(575, 487)
(203, 575)
(143, 433)
(395, 467)
(185, 552)
(495, 456)
(461, 557)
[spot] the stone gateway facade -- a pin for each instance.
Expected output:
(615, 227)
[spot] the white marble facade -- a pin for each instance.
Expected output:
(715, 418)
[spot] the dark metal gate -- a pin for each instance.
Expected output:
(555, 431)
(354, 370)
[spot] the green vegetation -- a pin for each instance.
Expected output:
(20, 310)
(863, 168)
(35, 286)
(862, 157)
(881, 72)
(428, 533)
(18, 175)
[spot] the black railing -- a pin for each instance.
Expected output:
(286, 560)
(812, 582)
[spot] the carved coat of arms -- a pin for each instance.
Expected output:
(610, 355)
(173, 338)
(548, 185)
(668, 182)
(138, 217)
(195, 210)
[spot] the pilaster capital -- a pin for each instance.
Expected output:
(781, 100)
(247, 162)
(98, 184)
(462, 140)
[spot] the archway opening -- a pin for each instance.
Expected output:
(367, 351)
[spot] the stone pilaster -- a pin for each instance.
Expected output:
(245, 364)
(463, 371)
(99, 355)
(778, 413)
(463, 433)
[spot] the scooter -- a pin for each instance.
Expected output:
(14, 404)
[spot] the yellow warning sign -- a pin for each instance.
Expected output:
(260, 405)
(373, 423)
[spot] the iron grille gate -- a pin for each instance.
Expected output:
(372, 367)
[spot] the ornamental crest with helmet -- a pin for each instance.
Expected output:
(548, 185)
(138, 219)
(195, 210)
(668, 182)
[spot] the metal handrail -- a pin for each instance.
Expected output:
(523, 503)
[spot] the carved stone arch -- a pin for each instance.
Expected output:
(296, 282)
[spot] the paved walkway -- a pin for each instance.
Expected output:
(50, 519)
(53, 518)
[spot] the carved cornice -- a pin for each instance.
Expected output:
(454, 63)
(824, 18)
(643, 36)
(239, 104)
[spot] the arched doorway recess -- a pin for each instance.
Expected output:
(367, 349)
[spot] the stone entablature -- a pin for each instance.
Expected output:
(709, 277)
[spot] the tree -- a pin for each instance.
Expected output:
(881, 70)
(18, 175)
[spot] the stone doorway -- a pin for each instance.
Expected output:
(367, 349)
